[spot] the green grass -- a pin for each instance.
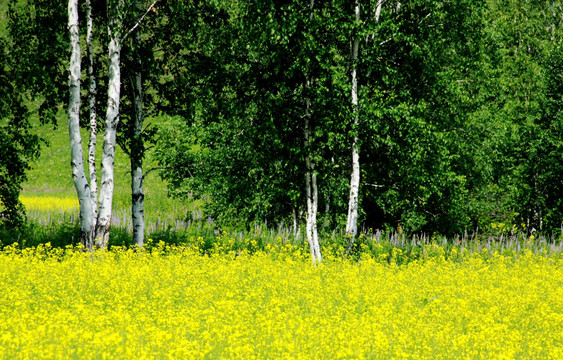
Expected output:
(51, 174)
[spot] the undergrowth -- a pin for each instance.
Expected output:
(62, 230)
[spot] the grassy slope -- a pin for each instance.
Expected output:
(51, 175)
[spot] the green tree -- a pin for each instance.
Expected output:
(30, 53)
(449, 116)
(246, 147)
(139, 74)
(413, 63)
(234, 98)
(511, 101)
(542, 199)
(19, 146)
(248, 84)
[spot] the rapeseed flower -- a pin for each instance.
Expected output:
(49, 203)
(173, 303)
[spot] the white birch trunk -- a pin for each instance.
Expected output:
(137, 149)
(311, 191)
(317, 257)
(112, 119)
(92, 109)
(378, 11)
(87, 219)
(352, 221)
(295, 228)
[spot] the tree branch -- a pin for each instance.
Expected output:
(374, 185)
(140, 20)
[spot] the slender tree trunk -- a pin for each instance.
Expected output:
(112, 119)
(314, 210)
(327, 211)
(352, 221)
(87, 218)
(295, 227)
(353, 203)
(137, 147)
(311, 191)
(92, 109)
(377, 11)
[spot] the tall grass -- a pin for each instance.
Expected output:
(61, 228)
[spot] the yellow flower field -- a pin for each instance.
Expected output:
(172, 303)
(49, 203)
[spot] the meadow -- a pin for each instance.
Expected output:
(50, 187)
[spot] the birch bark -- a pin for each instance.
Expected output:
(87, 218)
(112, 119)
(92, 109)
(352, 220)
(311, 191)
(137, 148)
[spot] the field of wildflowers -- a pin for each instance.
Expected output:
(256, 294)
(170, 302)
(49, 203)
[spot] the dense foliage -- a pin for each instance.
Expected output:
(31, 82)
(458, 121)
(459, 106)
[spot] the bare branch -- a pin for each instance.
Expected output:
(374, 185)
(386, 41)
(140, 20)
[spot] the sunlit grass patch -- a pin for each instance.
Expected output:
(49, 203)
(51, 175)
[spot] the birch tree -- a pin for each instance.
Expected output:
(311, 189)
(99, 212)
(87, 218)
(115, 28)
(93, 116)
(94, 227)
(352, 220)
(136, 153)
(263, 118)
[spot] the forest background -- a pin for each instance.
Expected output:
(438, 117)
